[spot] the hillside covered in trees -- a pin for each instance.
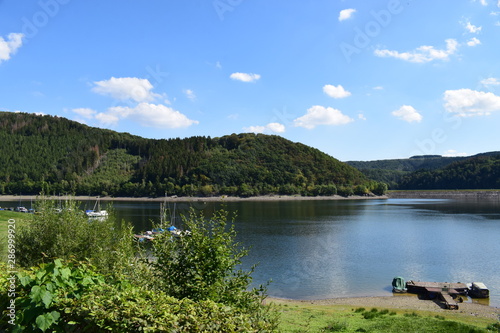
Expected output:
(392, 171)
(481, 171)
(478, 172)
(55, 155)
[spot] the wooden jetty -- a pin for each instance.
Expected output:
(441, 290)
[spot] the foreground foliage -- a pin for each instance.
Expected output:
(85, 276)
(64, 231)
(73, 297)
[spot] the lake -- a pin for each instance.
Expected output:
(340, 248)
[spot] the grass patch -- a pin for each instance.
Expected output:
(342, 318)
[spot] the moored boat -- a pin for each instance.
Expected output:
(97, 212)
(478, 290)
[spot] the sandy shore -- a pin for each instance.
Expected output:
(400, 302)
(189, 199)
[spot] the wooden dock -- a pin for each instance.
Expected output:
(442, 290)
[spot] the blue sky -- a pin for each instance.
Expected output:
(358, 80)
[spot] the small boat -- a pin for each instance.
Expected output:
(398, 285)
(97, 212)
(478, 290)
(147, 236)
(21, 209)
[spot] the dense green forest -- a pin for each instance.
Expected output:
(435, 172)
(54, 155)
(392, 171)
(478, 172)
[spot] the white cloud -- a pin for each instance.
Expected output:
(107, 119)
(320, 115)
(483, 2)
(9, 47)
(408, 114)
(378, 88)
(498, 4)
(472, 28)
(190, 94)
(150, 115)
(276, 127)
(422, 54)
(336, 91)
(85, 112)
(467, 102)
(254, 129)
(473, 42)
(346, 14)
(245, 77)
(361, 116)
(453, 153)
(126, 88)
(271, 127)
(491, 81)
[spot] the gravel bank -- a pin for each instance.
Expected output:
(407, 302)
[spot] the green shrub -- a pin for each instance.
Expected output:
(40, 293)
(203, 265)
(73, 297)
(68, 233)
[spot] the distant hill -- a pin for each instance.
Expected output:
(426, 172)
(56, 155)
(477, 172)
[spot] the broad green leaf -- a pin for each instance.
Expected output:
(35, 293)
(58, 263)
(44, 321)
(25, 280)
(65, 273)
(55, 315)
(46, 297)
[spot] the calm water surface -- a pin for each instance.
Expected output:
(327, 249)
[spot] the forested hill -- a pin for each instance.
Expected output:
(481, 171)
(56, 156)
(478, 172)
(392, 171)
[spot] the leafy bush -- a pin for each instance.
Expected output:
(193, 285)
(73, 297)
(67, 233)
(202, 266)
(42, 290)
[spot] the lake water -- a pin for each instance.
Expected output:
(340, 248)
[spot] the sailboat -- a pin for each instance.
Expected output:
(97, 212)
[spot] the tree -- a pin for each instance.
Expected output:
(202, 265)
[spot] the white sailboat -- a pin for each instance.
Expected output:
(97, 212)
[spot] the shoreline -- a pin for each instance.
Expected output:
(401, 302)
(190, 199)
(444, 194)
(393, 194)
